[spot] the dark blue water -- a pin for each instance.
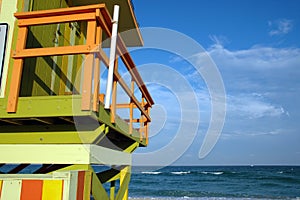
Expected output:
(257, 182)
(208, 183)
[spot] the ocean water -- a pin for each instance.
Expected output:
(208, 183)
(193, 183)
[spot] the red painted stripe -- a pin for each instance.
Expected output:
(31, 190)
(80, 185)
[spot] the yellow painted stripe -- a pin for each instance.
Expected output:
(52, 190)
(87, 185)
(0, 188)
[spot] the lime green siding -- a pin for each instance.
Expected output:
(45, 76)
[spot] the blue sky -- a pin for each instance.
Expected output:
(255, 46)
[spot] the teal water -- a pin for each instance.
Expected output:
(258, 182)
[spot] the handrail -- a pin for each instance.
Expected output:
(104, 19)
(98, 19)
(80, 13)
(58, 11)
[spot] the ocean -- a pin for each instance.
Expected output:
(222, 183)
(208, 183)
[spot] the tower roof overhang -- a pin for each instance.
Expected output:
(128, 26)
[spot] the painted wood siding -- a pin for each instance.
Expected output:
(72, 185)
(54, 75)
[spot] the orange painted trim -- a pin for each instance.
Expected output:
(97, 70)
(59, 11)
(55, 51)
(17, 73)
(88, 68)
(98, 19)
(114, 93)
(56, 19)
(105, 22)
(31, 190)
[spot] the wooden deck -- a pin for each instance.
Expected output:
(59, 120)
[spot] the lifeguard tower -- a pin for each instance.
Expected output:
(54, 119)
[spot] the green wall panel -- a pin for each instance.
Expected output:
(45, 76)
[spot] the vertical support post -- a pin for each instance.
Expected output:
(131, 109)
(113, 47)
(16, 77)
(114, 95)
(112, 190)
(142, 128)
(97, 71)
(88, 68)
(124, 181)
(147, 126)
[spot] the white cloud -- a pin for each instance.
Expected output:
(219, 40)
(258, 69)
(253, 107)
(256, 133)
(257, 57)
(280, 27)
(249, 76)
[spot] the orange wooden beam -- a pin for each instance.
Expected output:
(55, 51)
(123, 85)
(142, 121)
(127, 60)
(105, 20)
(90, 13)
(56, 19)
(130, 94)
(114, 94)
(124, 106)
(97, 71)
(135, 120)
(16, 73)
(106, 27)
(131, 108)
(59, 11)
(101, 54)
(88, 68)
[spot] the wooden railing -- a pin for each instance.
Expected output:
(98, 20)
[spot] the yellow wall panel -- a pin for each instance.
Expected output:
(52, 190)
(0, 188)
(87, 185)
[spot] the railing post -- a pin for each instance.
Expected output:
(146, 124)
(113, 47)
(114, 95)
(142, 127)
(131, 108)
(88, 68)
(16, 77)
(97, 71)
